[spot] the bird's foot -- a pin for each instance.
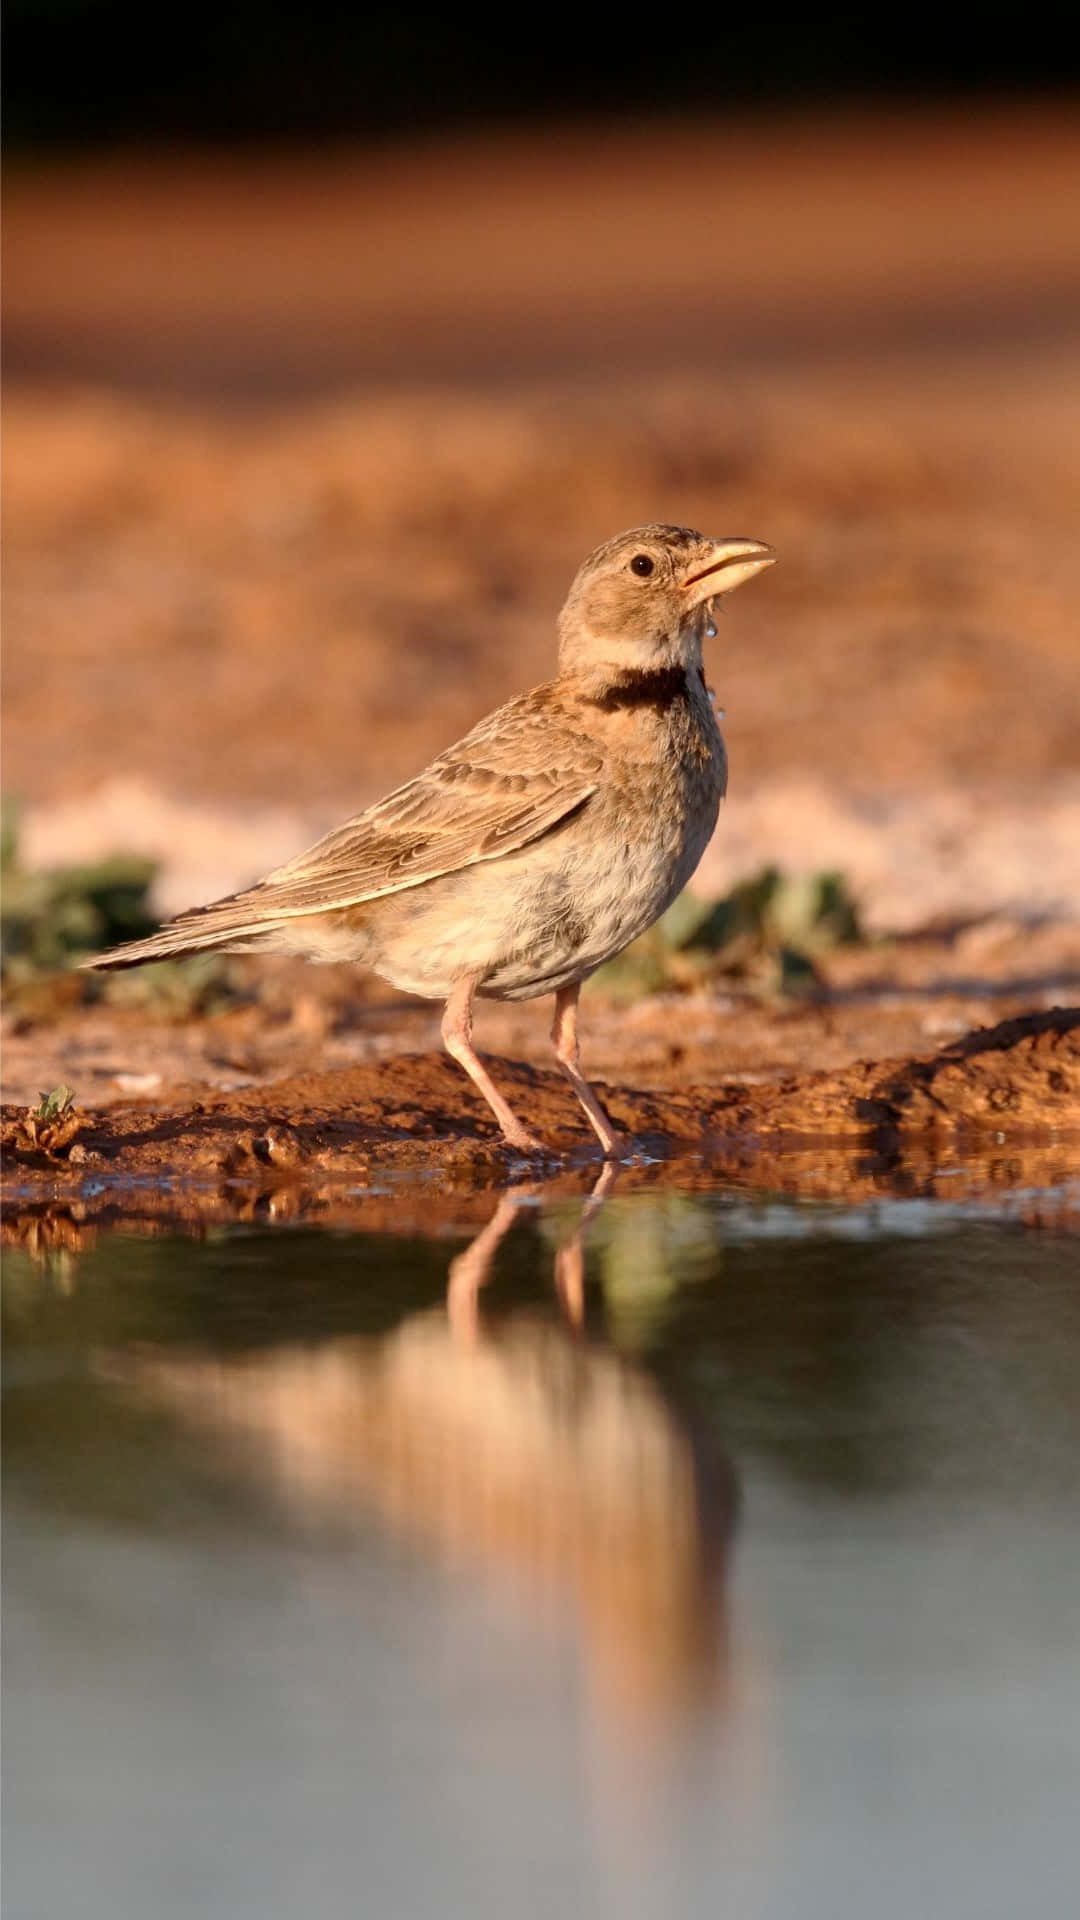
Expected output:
(520, 1137)
(618, 1146)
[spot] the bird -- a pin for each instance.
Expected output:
(544, 841)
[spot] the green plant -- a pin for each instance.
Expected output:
(48, 1128)
(770, 930)
(52, 918)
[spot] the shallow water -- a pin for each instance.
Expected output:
(709, 1555)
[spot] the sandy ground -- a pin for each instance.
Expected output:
(300, 457)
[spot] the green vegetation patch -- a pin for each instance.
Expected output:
(769, 933)
(53, 918)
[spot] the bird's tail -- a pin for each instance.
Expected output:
(236, 925)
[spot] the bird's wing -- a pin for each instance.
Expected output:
(512, 779)
(517, 775)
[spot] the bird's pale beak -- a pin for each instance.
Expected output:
(729, 563)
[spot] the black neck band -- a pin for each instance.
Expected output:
(658, 687)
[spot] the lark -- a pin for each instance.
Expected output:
(545, 841)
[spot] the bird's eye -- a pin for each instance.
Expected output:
(641, 564)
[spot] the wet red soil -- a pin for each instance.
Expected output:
(997, 1107)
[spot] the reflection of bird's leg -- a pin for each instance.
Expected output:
(570, 1259)
(472, 1269)
(457, 1039)
(564, 1039)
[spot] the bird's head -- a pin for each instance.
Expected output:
(643, 600)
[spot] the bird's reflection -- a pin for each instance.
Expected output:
(515, 1444)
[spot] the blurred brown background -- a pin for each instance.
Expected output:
(307, 433)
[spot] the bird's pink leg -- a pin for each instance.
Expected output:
(564, 1039)
(457, 1039)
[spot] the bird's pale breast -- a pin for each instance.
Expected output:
(552, 912)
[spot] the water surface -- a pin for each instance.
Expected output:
(707, 1555)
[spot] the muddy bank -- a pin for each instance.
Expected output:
(998, 1107)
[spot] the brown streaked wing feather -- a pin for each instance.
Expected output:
(512, 779)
